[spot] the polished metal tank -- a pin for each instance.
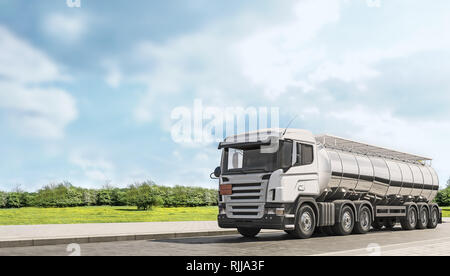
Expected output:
(380, 174)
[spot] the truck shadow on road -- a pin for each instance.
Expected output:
(265, 237)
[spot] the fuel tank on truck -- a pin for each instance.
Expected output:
(360, 171)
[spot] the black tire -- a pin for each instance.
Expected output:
(362, 226)
(377, 224)
(249, 232)
(410, 221)
(434, 219)
(390, 223)
(422, 220)
(305, 222)
(347, 223)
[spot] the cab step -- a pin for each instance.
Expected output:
(289, 227)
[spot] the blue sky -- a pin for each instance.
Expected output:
(86, 94)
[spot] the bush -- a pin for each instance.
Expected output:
(13, 200)
(144, 196)
(89, 197)
(60, 195)
(118, 197)
(3, 200)
(443, 197)
(104, 197)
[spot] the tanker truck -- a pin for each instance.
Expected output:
(295, 181)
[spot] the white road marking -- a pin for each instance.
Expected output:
(385, 248)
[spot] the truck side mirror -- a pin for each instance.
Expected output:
(217, 172)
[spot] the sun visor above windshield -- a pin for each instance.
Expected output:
(244, 145)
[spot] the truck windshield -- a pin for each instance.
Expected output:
(253, 160)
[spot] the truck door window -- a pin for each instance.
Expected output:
(235, 162)
(305, 155)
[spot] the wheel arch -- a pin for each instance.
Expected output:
(411, 205)
(340, 204)
(364, 203)
(312, 203)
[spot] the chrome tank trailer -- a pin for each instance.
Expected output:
(352, 174)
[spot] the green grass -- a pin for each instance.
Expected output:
(105, 214)
(446, 212)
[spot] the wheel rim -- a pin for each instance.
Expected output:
(412, 217)
(306, 222)
(424, 216)
(365, 221)
(347, 221)
(434, 218)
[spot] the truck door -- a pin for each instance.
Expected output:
(302, 178)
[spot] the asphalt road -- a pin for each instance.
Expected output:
(396, 242)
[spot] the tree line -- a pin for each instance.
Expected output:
(142, 195)
(443, 197)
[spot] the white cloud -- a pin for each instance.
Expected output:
(97, 170)
(276, 58)
(22, 63)
(304, 52)
(32, 108)
(427, 138)
(113, 75)
(64, 27)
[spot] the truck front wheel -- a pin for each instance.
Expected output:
(305, 223)
(249, 232)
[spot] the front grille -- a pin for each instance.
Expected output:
(247, 191)
(246, 200)
(245, 197)
(244, 207)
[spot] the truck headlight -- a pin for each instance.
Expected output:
(279, 212)
(275, 211)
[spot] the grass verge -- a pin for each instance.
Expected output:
(446, 212)
(104, 214)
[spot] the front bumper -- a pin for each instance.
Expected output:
(266, 222)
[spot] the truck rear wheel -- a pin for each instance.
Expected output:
(305, 223)
(347, 222)
(410, 221)
(249, 232)
(362, 226)
(434, 219)
(390, 223)
(422, 221)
